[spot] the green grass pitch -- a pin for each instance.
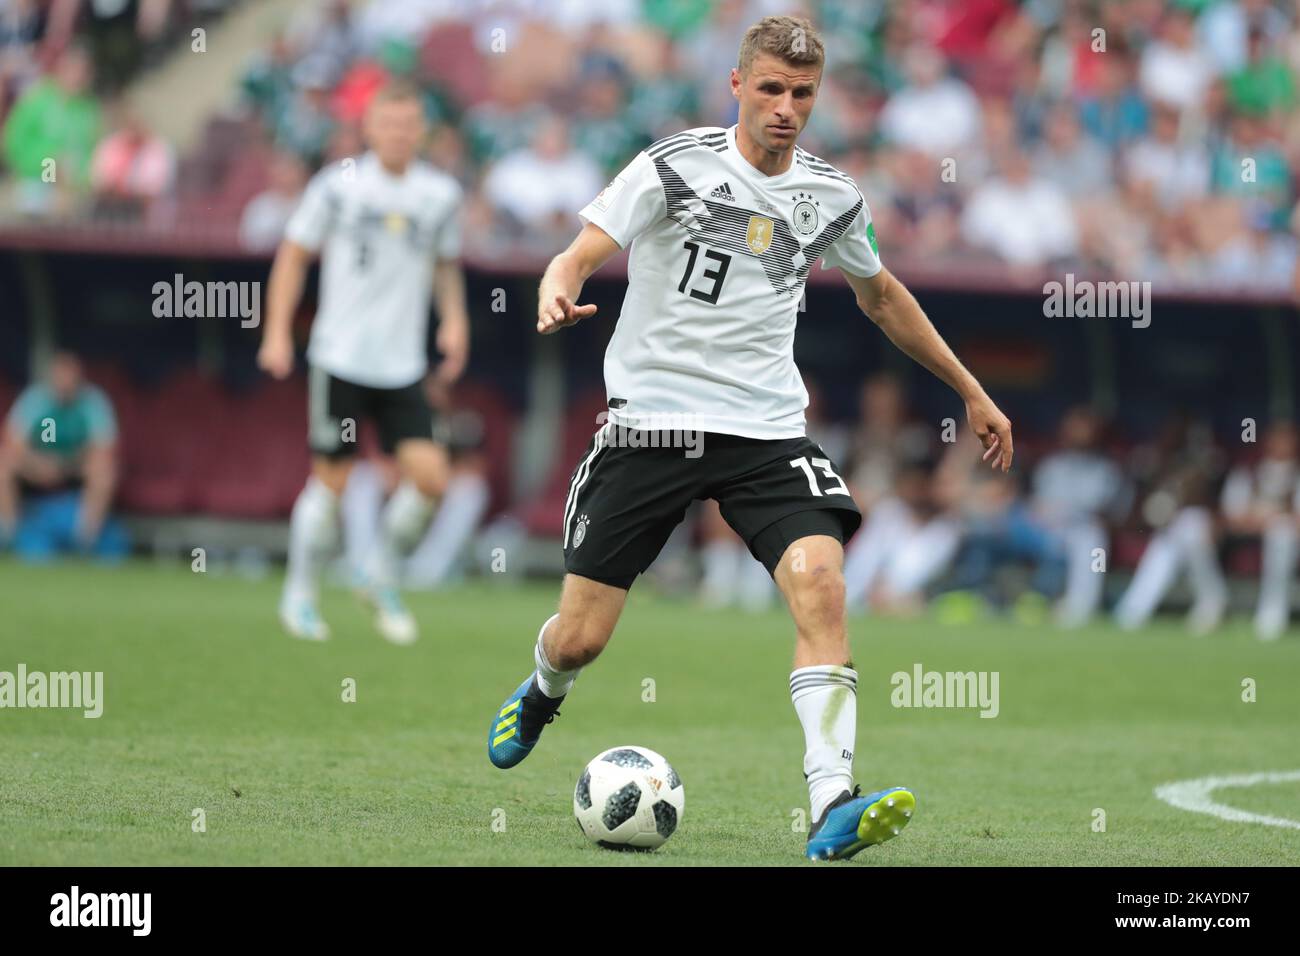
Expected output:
(208, 706)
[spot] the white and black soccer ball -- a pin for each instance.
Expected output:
(629, 798)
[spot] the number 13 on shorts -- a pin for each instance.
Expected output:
(825, 466)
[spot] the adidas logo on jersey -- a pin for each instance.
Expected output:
(723, 192)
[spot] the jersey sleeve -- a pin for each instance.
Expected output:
(630, 204)
(310, 221)
(101, 421)
(855, 250)
(447, 243)
(26, 410)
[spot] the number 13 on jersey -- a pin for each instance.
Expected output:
(825, 466)
(716, 275)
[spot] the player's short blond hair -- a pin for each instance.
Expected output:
(792, 39)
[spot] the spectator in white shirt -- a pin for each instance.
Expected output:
(1225, 25)
(1174, 69)
(261, 226)
(1070, 159)
(1174, 172)
(543, 186)
(934, 113)
(1023, 220)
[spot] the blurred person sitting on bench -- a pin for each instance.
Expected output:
(1260, 500)
(59, 443)
(1180, 472)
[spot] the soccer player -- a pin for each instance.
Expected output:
(386, 227)
(724, 226)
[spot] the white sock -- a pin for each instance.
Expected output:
(553, 683)
(459, 513)
(361, 504)
(825, 697)
(313, 534)
(405, 518)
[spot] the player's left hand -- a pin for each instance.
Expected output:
(453, 343)
(993, 429)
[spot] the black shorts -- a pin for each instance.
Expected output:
(336, 408)
(624, 501)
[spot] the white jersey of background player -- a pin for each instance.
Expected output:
(385, 226)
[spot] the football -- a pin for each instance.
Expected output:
(629, 798)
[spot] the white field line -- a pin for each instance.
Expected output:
(1194, 795)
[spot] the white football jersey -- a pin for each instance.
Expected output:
(379, 236)
(720, 254)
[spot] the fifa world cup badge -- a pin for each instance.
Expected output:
(759, 234)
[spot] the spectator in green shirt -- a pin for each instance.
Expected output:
(50, 136)
(1250, 166)
(603, 127)
(676, 18)
(1265, 84)
(61, 433)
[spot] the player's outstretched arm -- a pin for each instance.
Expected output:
(562, 282)
(889, 304)
(283, 293)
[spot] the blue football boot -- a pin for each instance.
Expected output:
(855, 822)
(518, 725)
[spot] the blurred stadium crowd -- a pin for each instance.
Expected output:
(64, 67)
(1143, 139)
(1139, 139)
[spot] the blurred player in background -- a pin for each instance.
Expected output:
(725, 225)
(386, 227)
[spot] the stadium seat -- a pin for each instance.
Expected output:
(165, 435)
(256, 459)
